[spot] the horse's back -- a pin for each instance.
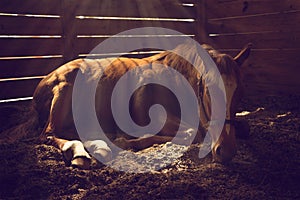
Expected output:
(53, 94)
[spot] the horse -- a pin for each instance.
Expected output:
(51, 107)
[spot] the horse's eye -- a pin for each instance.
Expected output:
(229, 84)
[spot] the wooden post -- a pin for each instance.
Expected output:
(202, 35)
(69, 31)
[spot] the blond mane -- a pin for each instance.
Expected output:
(225, 63)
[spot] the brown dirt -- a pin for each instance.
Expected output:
(267, 166)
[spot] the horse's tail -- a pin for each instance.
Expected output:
(18, 122)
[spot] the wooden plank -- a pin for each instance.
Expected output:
(267, 89)
(68, 29)
(269, 40)
(261, 89)
(22, 103)
(17, 89)
(137, 8)
(31, 46)
(272, 75)
(272, 72)
(223, 9)
(201, 23)
(31, 6)
(112, 27)
(272, 58)
(276, 22)
(10, 25)
(28, 67)
(86, 45)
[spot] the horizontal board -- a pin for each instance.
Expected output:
(17, 102)
(223, 9)
(272, 75)
(86, 45)
(277, 22)
(28, 67)
(132, 8)
(10, 25)
(267, 89)
(31, 46)
(31, 6)
(16, 89)
(112, 27)
(264, 40)
(273, 58)
(271, 72)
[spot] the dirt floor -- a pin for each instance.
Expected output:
(267, 166)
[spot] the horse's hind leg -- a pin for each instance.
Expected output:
(73, 151)
(59, 113)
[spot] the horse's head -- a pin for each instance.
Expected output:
(224, 147)
(224, 144)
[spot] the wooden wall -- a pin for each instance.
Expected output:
(273, 26)
(37, 36)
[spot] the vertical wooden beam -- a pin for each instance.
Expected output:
(202, 35)
(200, 21)
(68, 29)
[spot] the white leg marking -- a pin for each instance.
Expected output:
(99, 149)
(74, 149)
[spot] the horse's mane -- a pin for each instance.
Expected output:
(224, 62)
(175, 60)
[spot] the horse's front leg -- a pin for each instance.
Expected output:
(99, 149)
(181, 132)
(73, 151)
(141, 143)
(170, 133)
(182, 137)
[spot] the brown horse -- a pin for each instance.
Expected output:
(52, 105)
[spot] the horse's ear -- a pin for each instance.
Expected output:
(243, 55)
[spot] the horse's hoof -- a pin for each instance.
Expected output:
(103, 155)
(81, 163)
(99, 149)
(75, 155)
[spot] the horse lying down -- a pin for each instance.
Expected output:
(52, 105)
